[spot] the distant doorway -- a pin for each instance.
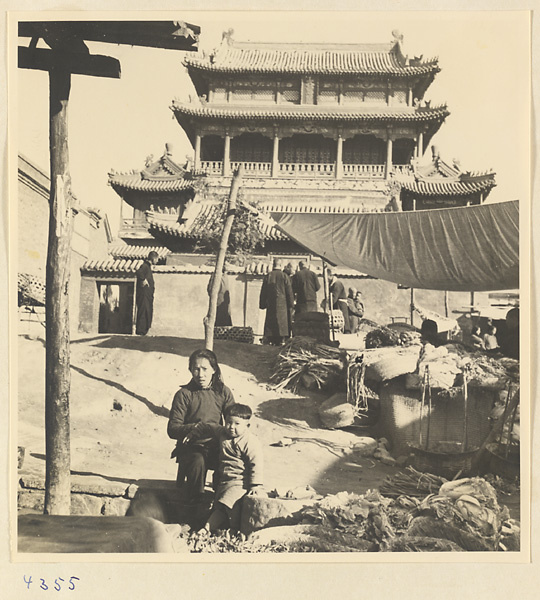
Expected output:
(115, 307)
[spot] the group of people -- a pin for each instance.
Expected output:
(284, 293)
(487, 340)
(350, 304)
(212, 432)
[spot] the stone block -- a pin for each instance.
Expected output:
(115, 507)
(72, 534)
(149, 504)
(259, 512)
(31, 499)
(132, 490)
(104, 488)
(336, 412)
(365, 446)
(32, 482)
(85, 504)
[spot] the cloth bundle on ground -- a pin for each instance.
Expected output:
(383, 364)
(465, 511)
(448, 362)
(443, 323)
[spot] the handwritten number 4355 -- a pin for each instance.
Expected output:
(57, 583)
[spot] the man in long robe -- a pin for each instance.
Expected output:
(223, 310)
(338, 300)
(145, 294)
(305, 285)
(277, 298)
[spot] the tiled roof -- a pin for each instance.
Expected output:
(310, 113)
(441, 179)
(163, 175)
(112, 266)
(448, 188)
(199, 222)
(31, 289)
(121, 250)
(339, 59)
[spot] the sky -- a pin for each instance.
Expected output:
(117, 123)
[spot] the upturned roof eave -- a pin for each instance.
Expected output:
(301, 113)
(414, 188)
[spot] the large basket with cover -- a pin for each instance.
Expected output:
(441, 429)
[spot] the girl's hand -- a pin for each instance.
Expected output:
(194, 433)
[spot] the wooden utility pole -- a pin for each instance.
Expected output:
(67, 54)
(210, 319)
(57, 371)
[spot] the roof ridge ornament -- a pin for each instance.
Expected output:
(226, 37)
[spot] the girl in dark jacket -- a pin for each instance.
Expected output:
(197, 409)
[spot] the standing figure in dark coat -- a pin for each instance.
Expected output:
(289, 271)
(277, 298)
(145, 294)
(356, 308)
(305, 286)
(223, 310)
(338, 300)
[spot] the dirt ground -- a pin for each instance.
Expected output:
(121, 391)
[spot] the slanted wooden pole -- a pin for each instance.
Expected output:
(328, 301)
(57, 354)
(210, 318)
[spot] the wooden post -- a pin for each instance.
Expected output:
(412, 306)
(446, 311)
(429, 408)
(339, 156)
(389, 143)
(275, 156)
(57, 353)
(210, 318)
(465, 410)
(245, 298)
(420, 147)
(197, 155)
(327, 300)
(227, 155)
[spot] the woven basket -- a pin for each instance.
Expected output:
(504, 467)
(234, 334)
(444, 464)
(337, 322)
(399, 419)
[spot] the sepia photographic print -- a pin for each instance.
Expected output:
(273, 287)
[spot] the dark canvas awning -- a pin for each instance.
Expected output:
(473, 248)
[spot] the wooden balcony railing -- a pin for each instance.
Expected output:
(364, 171)
(307, 170)
(258, 169)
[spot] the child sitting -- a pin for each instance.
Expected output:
(490, 338)
(240, 468)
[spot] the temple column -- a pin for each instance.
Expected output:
(388, 156)
(339, 156)
(197, 157)
(420, 145)
(275, 156)
(227, 155)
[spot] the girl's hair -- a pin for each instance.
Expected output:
(242, 411)
(217, 379)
